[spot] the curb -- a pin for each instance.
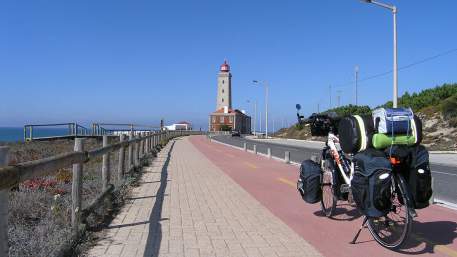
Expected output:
(258, 153)
(443, 152)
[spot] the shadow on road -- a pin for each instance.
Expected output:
(425, 237)
(155, 228)
(342, 212)
(431, 237)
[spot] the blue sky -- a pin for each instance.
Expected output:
(138, 61)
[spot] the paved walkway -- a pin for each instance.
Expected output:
(186, 206)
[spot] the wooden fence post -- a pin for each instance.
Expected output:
(4, 248)
(141, 145)
(145, 143)
(76, 188)
(137, 151)
(130, 152)
(105, 166)
(121, 166)
(148, 140)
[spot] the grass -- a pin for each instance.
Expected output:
(39, 210)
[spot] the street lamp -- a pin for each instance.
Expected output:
(265, 84)
(255, 114)
(393, 9)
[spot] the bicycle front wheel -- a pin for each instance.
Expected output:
(328, 200)
(393, 229)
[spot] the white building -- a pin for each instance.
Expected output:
(183, 125)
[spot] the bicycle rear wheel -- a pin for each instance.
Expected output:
(393, 229)
(328, 200)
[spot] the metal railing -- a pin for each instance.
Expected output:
(74, 129)
(136, 147)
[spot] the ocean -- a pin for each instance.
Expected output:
(16, 134)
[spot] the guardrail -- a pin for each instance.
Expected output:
(137, 147)
(102, 128)
(74, 129)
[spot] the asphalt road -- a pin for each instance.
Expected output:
(444, 176)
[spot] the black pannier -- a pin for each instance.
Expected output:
(372, 183)
(420, 177)
(356, 133)
(309, 181)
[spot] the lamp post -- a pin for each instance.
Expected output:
(356, 84)
(393, 9)
(265, 84)
(255, 114)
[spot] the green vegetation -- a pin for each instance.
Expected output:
(426, 98)
(438, 99)
(351, 110)
(449, 110)
(225, 128)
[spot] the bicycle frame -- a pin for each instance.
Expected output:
(332, 141)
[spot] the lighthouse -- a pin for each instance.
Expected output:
(225, 118)
(224, 87)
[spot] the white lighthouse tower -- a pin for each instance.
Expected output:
(224, 87)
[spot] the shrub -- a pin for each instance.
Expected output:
(351, 110)
(453, 122)
(225, 128)
(36, 228)
(426, 98)
(299, 126)
(449, 107)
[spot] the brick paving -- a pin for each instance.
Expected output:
(186, 206)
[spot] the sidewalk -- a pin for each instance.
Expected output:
(186, 206)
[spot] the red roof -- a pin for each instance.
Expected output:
(225, 67)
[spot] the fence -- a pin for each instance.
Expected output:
(73, 129)
(137, 147)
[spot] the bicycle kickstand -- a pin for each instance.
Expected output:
(360, 229)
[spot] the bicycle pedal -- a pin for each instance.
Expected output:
(344, 188)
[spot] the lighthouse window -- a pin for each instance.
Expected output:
(223, 81)
(222, 91)
(222, 99)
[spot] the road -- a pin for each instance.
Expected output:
(273, 184)
(445, 176)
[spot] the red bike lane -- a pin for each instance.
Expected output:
(273, 184)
